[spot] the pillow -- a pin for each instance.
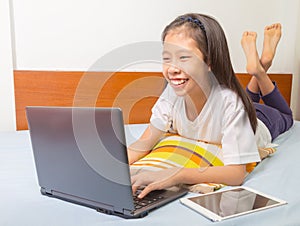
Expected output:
(177, 151)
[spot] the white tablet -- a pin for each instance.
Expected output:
(232, 202)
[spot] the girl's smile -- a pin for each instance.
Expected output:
(178, 82)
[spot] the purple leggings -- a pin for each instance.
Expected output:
(275, 113)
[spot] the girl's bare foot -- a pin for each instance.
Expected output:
(248, 42)
(272, 36)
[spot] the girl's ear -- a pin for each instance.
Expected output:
(209, 65)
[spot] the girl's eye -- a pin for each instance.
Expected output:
(166, 59)
(184, 57)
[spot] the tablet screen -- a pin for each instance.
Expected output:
(232, 202)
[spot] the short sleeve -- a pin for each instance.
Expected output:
(238, 142)
(161, 117)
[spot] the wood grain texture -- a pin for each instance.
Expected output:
(134, 92)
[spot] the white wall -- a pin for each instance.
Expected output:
(296, 81)
(74, 34)
(7, 115)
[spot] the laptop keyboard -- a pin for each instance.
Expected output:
(149, 199)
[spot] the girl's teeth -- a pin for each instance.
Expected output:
(178, 82)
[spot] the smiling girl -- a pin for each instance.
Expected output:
(202, 101)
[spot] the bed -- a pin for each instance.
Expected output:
(22, 203)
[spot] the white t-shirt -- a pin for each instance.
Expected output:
(222, 120)
(263, 136)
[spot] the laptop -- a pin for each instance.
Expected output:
(80, 156)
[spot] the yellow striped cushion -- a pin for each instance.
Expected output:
(176, 151)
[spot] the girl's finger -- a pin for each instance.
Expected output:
(146, 190)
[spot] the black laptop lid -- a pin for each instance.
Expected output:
(82, 152)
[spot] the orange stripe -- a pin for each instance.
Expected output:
(154, 160)
(196, 159)
(148, 164)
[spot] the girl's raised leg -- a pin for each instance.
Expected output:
(272, 35)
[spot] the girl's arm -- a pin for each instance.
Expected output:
(230, 175)
(144, 144)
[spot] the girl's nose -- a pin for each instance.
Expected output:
(173, 69)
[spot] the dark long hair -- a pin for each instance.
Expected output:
(211, 41)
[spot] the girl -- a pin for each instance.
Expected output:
(203, 101)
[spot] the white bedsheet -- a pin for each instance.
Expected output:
(22, 204)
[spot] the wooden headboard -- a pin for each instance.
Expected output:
(134, 92)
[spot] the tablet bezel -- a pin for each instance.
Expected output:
(214, 217)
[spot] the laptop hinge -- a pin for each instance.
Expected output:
(128, 212)
(46, 191)
(100, 207)
(122, 211)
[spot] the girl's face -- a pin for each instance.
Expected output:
(183, 65)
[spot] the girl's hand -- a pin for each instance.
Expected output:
(155, 180)
(230, 175)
